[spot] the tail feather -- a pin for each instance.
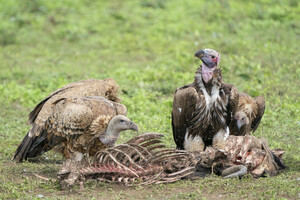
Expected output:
(31, 147)
(45, 142)
(37, 147)
(23, 148)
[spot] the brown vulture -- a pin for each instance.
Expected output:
(107, 88)
(247, 115)
(202, 110)
(80, 125)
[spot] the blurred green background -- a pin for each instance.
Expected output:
(147, 46)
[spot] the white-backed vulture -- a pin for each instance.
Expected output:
(79, 125)
(202, 110)
(107, 88)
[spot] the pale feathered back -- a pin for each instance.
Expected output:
(107, 88)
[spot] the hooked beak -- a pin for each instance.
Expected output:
(204, 56)
(134, 126)
(199, 54)
(239, 124)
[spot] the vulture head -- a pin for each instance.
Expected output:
(116, 125)
(241, 119)
(121, 123)
(210, 61)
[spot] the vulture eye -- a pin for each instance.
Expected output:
(243, 118)
(122, 121)
(213, 57)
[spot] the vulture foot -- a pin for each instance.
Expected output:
(69, 174)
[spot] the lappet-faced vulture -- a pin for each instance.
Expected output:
(202, 110)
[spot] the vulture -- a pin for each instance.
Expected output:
(107, 88)
(202, 110)
(247, 115)
(79, 125)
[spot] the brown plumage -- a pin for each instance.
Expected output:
(107, 88)
(247, 115)
(81, 125)
(202, 110)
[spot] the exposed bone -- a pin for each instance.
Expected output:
(152, 179)
(156, 147)
(128, 157)
(141, 151)
(134, 149)
(155, 141)
(144, 160)
(182, 171)
(112, 157)
(144, 137)
(234, 171)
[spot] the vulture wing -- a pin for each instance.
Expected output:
(260, 101)
(107, 88)
(233, 98)
(62, 124)
(184, 105)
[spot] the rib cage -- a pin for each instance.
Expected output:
(145, 160)
(142, 160)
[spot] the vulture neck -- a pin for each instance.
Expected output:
(200, 83)
(110, 136)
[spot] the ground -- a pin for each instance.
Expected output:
(147, 46)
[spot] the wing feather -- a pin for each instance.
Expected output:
(233, 101)
(260, 101)
(184, 104)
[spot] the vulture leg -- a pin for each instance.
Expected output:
(193, 144)
(219, 139)
(78, 156)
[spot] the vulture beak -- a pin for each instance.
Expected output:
(134, 127)
(241, 119)
(205, 57)
(199, 54)
(239, 124)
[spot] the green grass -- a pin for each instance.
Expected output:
(147, 46)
